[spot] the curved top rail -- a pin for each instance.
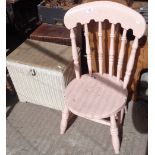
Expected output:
(101, 10)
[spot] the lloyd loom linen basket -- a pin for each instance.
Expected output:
(40, 71)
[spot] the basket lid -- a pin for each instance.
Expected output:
(42, 54)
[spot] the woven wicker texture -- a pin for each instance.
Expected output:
(40, 71)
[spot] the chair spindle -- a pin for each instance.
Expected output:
(75, 54)
(111, 50)
(88, 48)
(121, 54)
(100, 48)
(130, 62)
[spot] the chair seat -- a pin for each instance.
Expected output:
(95, 97)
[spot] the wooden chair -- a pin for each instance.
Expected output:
(96, 96)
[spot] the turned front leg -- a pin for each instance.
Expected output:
(64, 121)
(114, 134)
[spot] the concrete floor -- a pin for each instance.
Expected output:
(34, 130)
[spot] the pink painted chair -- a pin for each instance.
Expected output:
(96, 96)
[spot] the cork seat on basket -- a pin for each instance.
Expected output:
(96, 96)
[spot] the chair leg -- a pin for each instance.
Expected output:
(64, 120)
(125, 108)
(122, 115)
(114, 134)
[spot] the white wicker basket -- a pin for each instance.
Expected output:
(40, 71)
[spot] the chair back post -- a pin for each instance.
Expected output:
(130, 63)
(75, 54)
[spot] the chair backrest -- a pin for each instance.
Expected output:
(115, 13)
